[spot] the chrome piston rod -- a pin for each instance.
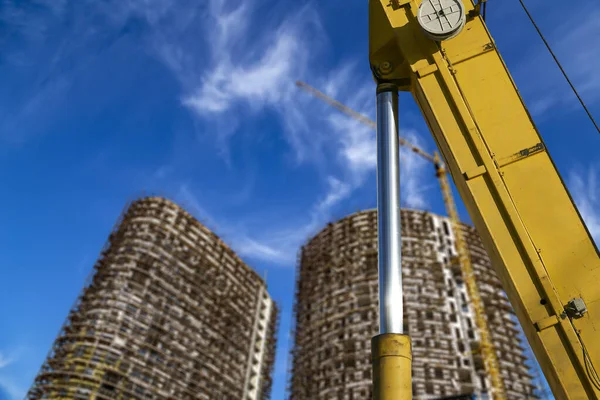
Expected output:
(388, 208)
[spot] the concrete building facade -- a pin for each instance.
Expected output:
(170, 313)
(336, 313)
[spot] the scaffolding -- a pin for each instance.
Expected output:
(336, 313)
(170, 313)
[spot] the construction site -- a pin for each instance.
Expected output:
(169, 313)
(337, 313)
(390, 303)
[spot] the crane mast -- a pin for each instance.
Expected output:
(442, 53)
(488, 352)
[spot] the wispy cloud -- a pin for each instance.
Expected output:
(251, 71)
(248, 73)
(259, 82)
(5, 360)
(585, 190)
(337, 192)
(415, 173)
(18, 127)
(245, 66)
(259, 75)
(251, 248)
(570, 41)
(357, 145)
(358, 148)
(346, 148)
(280, 242)
(287, 240)
(581, 58)
(235, 235)
(194, 205)
(353, 141)
(14, 390)
(7, 383)
(230, 61)
(23, 23)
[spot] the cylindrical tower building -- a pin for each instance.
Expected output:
(336, 313)
(170, 313)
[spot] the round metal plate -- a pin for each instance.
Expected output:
(441, 19)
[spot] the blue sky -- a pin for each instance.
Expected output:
(104, 101)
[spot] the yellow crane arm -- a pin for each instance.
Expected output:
(543, 254)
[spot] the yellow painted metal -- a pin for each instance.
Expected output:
(539, 246)
(392, 360)
(488, 352)
(487, 349)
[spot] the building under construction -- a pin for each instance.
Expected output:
(170, 313)
(336, 313)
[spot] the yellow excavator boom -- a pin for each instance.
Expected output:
(442, 52)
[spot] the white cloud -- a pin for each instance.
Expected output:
(586, 194)
(15, 391)
(251, 71)
(257, 73)
(248, 68)
(237, 64)
(581, 59)
(357, 143)
(5, 361)
(571, 43)
(288, 239)
(234, 235)
(191, 203)
(413, 170)
(18, 127)
(230, 22)
(233, 65)
(337, 192)
(154, 12)
(261, 251)
(359, 150)
(280, 241)
(7, 383)
(260, 83)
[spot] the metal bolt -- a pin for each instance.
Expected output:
(576, 308)
(386, 67)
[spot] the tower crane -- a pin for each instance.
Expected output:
(488, 352)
